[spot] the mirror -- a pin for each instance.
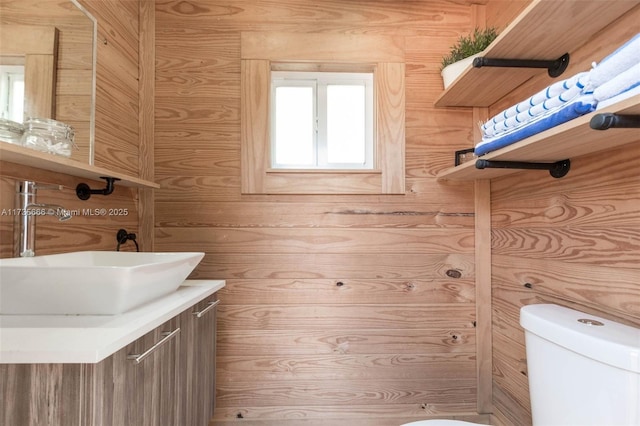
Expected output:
(55, 46)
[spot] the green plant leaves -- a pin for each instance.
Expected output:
(470, 45)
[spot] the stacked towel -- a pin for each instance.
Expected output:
(625, 57)
(568, 111)
(546, 100)
(613, 77)
(619, 84)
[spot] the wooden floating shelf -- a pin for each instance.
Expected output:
(28, 157)
(545, 30)
(569, 140)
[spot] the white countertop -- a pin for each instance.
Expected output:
(35, 339)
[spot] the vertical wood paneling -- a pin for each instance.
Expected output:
(572, 241)
(146, 123)
(338, 309)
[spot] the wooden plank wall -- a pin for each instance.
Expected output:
(338, 309)
(116, 130)
(576, 240)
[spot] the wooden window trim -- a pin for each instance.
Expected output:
(262, 52)
(38, 45)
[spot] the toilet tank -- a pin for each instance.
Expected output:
(583, 370)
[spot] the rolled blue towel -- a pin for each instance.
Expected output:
(579, 106)
(546, 100)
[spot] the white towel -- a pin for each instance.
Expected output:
(618, 62)
(619, 84)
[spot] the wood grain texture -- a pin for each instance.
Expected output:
(347, 392)
(283, 318)
(341, 48)
(573, 242)
(390, 127)
(38, 48)
(146, 100)
(72, 56)
(262, 52)
(335, 266)
(116, 122)
(352, 366)
(117, 97)
(348, 291)
(294, 214)
(287, 343)
(278, 317)
(525, 38)
(318, 240)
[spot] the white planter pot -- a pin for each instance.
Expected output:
(451, 72)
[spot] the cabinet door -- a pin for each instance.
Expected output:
(197, 362)
(137, 385)
(43, 394)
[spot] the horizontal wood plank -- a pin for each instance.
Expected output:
(589, 286)
(613, 247)
(317, 240)
(279, 317)
(297, 214)
(346, 392)
(337, 366)
(333, 266)
(345, 341)
(373, 291)
(369, 415)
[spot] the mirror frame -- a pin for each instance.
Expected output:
(94, 59)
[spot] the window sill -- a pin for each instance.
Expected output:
(323, 182)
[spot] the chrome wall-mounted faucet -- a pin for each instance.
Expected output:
(27, 211)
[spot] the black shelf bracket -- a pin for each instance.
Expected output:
(614, 121)
(83, 191)
(554, 68)
(557, 170)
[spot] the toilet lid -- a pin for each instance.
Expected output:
(441, 422)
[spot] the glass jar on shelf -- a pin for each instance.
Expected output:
(11, 131)
(47, 135)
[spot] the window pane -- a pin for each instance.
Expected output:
(294, 126)
(16, 109)
(346, 124)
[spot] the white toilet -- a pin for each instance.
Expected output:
(583, 370)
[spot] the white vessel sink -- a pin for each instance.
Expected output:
(90, 282)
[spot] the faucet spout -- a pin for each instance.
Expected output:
(25, 224)
(39, 209)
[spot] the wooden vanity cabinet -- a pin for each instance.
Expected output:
(144, 393)
(173, 385)
(197, 362)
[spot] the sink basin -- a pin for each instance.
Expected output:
(90, 282)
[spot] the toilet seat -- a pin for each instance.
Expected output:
(442, 422)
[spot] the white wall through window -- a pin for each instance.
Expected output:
(12, 92)
(322, 120)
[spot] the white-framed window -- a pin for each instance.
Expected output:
(322, 120)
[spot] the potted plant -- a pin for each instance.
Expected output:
(463, 52)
